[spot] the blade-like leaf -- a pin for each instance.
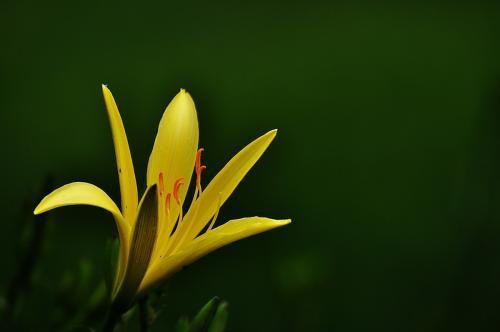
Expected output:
(141, 248)
(220, 319)
(182, 325)
(202, 319)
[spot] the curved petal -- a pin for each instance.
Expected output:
(78, 193)
(223, 184)
(124, 164)
(81, 193)
(227, 233)
(174, 150)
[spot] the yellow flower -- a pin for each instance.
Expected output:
(156, 237)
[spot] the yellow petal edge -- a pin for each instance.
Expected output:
(78, 193)
(124, 164)
(225, 234)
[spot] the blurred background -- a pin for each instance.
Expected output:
(387, 157)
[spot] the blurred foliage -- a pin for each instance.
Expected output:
(211, 318)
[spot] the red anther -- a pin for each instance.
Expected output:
(160, 183)
(177, 185)
(167, 202)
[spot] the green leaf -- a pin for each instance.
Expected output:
(141, 249)
(220, 319)
(202, 320)
(211, 318)
(182, 325)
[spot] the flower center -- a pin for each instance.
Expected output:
(177, 230)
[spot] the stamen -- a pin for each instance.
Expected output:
(199, 168)
(219, 203)
(171, 222)
(161, 183)
(177, 185)
(167, 203)
(198, 158)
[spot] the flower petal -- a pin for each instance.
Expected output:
(174, 150)
(81, 193)
(141, 248)
(223, 184)
(126, 175)
(227, 233)
(78, 193)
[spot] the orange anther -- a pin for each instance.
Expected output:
(160, 183)
(199, 168)
(167, 202)
(198, 159)
(177, 185)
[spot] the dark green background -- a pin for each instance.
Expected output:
(387, 157)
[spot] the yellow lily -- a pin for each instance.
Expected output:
(156, 238)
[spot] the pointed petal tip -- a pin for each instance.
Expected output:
(182, 101)
(282, 222)
(271, 134)
(271, 223)
(40, 208)
(106, 92)
(184, 96)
